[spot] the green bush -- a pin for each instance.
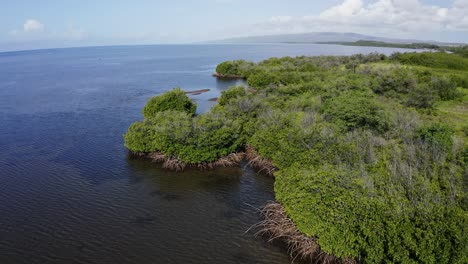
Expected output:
(421, 97)
(399, 80)
(235, 68)
(139, 137)
(262, 79)
(439, 135)
(354, 215)
(359, 169)
(214, 136)
(164, 132)
(175, 100)
(433, 59)
(445, 88)
(231, 93)
(354, 110)
(201, 139)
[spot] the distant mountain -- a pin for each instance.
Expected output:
(315, 37)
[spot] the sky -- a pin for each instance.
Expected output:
(32, 24)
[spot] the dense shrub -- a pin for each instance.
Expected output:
(231, 93)
(439, 135)
(421, 97)
(359, 168)
(398, 79)
(139, 137)
(214, 136)
(163, 132)
(235, 68)
(433, 59)
(262, 79)
(174, 100)
(354, 110)
(445, 88)
(350, 216)
(201, 139)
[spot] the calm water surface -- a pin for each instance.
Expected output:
(70, 194)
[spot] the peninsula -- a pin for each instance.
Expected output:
(369, 152)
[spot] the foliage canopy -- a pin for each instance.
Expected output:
(371, 151)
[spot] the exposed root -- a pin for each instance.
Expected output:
(227, 76)
(260, 164)
(257, 162)
(172, 163)
(276, 225)
(157, 157)
(230, 160)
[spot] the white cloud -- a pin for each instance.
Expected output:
(35, 31)
(400, 18)
(33, 25)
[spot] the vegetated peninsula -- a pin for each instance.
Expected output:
(349, 39)
(369, 152)
(328, 37)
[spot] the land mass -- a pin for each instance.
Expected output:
(320, 37)
(369, 152)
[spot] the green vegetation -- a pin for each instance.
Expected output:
(371, 151)
(370, 43)
(462, 50)
(239, 68)
(433, 60)
(230, 94)
(175, 100)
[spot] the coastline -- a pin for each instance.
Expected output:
(174, 164)
(321, 134)
(260, 164)
(275, 226)
(228, 76)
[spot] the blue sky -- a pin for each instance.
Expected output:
(47, 23)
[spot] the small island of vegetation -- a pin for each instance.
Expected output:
(369, 152)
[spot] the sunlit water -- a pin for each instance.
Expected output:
(70, 194)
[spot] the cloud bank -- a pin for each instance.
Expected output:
(397, 18)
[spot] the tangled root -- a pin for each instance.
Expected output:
(257, 162)
(276, 225)
(172, 163)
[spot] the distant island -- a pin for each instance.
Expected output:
(318, 37)
(369, 152)
(370, 43)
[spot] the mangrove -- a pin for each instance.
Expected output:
(369, 152)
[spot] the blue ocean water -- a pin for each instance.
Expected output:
(70, 194)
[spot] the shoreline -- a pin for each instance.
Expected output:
(276, 226)
(260, 164)
(174, 164)
(228, 76)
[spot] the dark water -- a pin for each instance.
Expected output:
(70, 194)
